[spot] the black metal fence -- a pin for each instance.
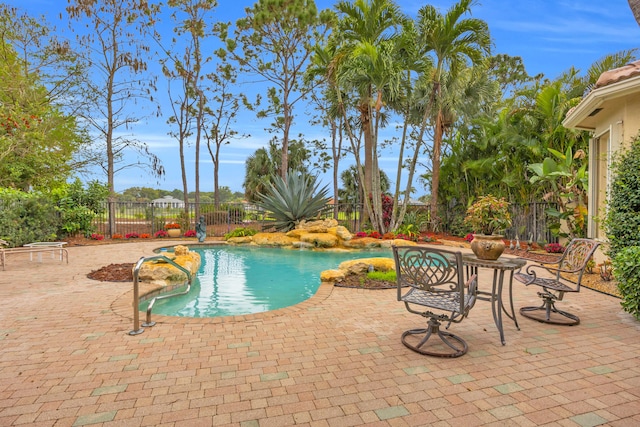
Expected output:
(529, 220)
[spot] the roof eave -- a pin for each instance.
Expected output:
(596, 98)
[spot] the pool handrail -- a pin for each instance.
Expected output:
(137, 329)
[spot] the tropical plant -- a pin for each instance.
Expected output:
(568, 181)
(489, 215)
(623, 213)
(262, 166)
(240, 232)
(294, 199)
(367, 70)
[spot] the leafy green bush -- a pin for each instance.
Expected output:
(419, 220)
(293, 200)
(240, 232)
(78, 206)
(623, 214)
(27, 217)
(626, 267)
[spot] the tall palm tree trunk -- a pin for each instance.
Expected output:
(435, 179)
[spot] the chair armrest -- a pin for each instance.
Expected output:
(472, 286)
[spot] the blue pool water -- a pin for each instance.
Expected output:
(241, 280)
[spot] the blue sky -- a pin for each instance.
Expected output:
(550, 36)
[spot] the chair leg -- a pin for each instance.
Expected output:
(548, 313)
(452, 341)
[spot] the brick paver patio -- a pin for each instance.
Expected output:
(336, 360)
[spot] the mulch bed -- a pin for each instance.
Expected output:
(113, 273)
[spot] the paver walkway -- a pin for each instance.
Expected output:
(336, 360)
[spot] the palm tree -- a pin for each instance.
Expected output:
(265, 164)
(366, 65)
(453, 42)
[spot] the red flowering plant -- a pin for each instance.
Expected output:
(361, 234)
(172, 226)
(96, 236)
(554, 248)
(131, 236)
(190, 233)
(387, 208)
(375, 235)
(160, 234)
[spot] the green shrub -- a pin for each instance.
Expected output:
(78, 206)
(240, 232)
(623, 213)
(388, 276)
(626, 268)
(419, 220)
(27, 217)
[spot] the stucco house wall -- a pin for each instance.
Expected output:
(611, 112)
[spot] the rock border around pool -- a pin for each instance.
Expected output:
(321, 234)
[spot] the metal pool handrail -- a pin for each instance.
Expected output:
(136, 293)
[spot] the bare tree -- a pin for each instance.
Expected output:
(185, 69)
(117, 78)
(221, 113)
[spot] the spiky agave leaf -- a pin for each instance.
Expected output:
(293, 200)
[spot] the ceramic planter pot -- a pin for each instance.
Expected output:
(174, 232)
(487, 247)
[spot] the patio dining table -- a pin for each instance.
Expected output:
(499, 267)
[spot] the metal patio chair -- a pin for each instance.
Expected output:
(566, 277)
(438, 292)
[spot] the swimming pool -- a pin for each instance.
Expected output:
(243, 280)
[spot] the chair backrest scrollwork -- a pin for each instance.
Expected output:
(430, 270)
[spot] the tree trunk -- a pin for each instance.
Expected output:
(635, 8)
(435, 178)
(197, 166)
(366, 186)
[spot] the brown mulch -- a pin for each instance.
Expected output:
(361, 281)
(113, 273)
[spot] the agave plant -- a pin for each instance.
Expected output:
(293, 200)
